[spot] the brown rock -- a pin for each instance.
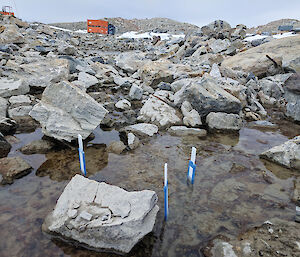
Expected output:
(12, 168)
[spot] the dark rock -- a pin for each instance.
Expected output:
(165, 86)
(41, 49)
(5, 49)
(4, 146)
(98, 59)
(7, 126)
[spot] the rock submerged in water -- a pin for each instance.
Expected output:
(286, 154)
(66, 111)
(101, 216)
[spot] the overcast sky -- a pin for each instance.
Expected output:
(199, 12)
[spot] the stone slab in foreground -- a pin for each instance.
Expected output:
(101, 216)
(66, 111)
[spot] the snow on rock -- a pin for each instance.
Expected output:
(150, 35)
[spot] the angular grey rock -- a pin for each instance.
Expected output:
(191, 116)
(123, 104)
(219, 45)
(158, 112)
(224, 121)
(185, 131)
(66, 111)
(19, 111)
(215, 71)
(9, 87)
(11, 35)
(293, 105)
(87, 79)
(20, 100)
(67, 49)
(286, 154)
(205, 95)
(142, 129)
(107, 217)
(131, 61)
(43, 73)
(136, 92)
(133, 141)
(3, 107)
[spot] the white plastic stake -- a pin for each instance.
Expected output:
(166, 192)
(166, 174)
(193, 159)
(81, 155)
(80, 143)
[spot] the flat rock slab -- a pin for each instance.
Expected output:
(185, 131)
(102, 216)
(286, 154)
(142, 129)
(66, 111)
(12, 168)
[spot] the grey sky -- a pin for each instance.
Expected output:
(199, 12)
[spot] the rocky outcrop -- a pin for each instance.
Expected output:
(205, 96)
(66, 111)
(286, 154)
(101, 216)
(285, 52)
(224, 121)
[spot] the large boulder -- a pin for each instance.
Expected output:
(66, 111)
(219, 45)
(285, 51)
(286, 154)
(224, 121)
(102, 216)
(205, 96)
(157, 111)
(45, 72)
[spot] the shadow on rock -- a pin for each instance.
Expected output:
(63, 165)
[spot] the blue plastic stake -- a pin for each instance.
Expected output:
(192, 166)
(81, 155)
(166, 192)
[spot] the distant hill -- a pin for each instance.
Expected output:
(125, 25)
(272, 27)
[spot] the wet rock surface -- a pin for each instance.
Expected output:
(12, 168)
(102, 216)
